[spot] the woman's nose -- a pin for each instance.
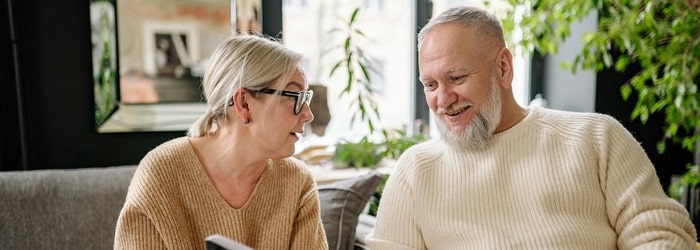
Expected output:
(306, 114)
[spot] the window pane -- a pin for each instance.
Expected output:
(390, 37)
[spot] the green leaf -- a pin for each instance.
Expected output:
(359, 32)
(607, 60)
(661, 147)
(621, 63)
(625, 90)
(346, 45)
(353, 17)
(335, 67)
(364, 71)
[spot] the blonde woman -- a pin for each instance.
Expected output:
(233, 174)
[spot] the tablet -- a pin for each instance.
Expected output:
(220, 242)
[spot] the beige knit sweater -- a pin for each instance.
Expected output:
(172, 204)
(556, 180)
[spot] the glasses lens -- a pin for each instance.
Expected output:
(304, 97)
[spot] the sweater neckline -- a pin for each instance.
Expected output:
(521, 126)
(214, 194)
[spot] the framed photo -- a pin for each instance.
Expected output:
(248, 18)
(170, 48)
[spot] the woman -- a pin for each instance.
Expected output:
(233, 174)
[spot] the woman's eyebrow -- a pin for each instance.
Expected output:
(295, 83)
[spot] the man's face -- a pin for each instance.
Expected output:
(458, 72)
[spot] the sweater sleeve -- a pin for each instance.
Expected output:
(639, 210)
(308, 230)
(396, 226)
(135, 231)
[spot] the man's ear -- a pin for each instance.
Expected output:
(505, 68)
(241, 97)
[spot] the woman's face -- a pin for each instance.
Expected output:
(275, 122)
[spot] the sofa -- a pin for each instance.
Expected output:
(78, 208)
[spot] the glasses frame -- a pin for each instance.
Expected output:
(300, 97)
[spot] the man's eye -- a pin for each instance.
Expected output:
(457, 78)
(430, 85)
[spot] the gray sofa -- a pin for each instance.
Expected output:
(61, 209)
(72, 209)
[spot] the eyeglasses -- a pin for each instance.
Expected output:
(300, 97)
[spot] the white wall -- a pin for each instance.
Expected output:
(564, 90)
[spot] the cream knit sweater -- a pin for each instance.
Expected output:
(556, 180)
(172, 204)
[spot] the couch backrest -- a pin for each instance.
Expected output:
(62, 209)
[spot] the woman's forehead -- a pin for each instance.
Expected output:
(296, 80)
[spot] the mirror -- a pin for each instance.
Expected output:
(149, 57)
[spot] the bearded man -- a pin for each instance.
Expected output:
(501, 176)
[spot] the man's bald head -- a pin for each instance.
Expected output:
(482, 24)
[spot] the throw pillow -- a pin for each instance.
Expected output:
(341, 205)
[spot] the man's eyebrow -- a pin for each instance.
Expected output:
(455, 70)
(423, 79)
(447, 72)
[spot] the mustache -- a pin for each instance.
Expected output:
(454, 107)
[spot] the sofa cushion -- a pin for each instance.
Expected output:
(62, 209)
(342, 202)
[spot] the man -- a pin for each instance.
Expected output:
(502, 176)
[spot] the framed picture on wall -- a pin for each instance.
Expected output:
(248, 18)
(171, 48)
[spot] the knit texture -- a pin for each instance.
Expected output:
(172, 204)
(556, 180)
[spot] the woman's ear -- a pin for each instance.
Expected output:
(505, 68)
(241, 97)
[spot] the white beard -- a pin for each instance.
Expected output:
(481, 128)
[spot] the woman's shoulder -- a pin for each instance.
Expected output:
(292, 166)
(174, 151)
(163, 162)
(173, 148)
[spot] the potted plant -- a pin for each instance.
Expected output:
(366, 153)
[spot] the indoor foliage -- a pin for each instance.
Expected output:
(356, 64)
(662, 37)
(105, 78)
(365, 153)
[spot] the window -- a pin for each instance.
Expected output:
(389, 28)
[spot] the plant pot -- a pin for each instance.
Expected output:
(319, 106)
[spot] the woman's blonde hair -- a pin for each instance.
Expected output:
(240, 61)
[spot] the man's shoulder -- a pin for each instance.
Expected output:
(430, 147)
(574, 120)
(422, 155)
